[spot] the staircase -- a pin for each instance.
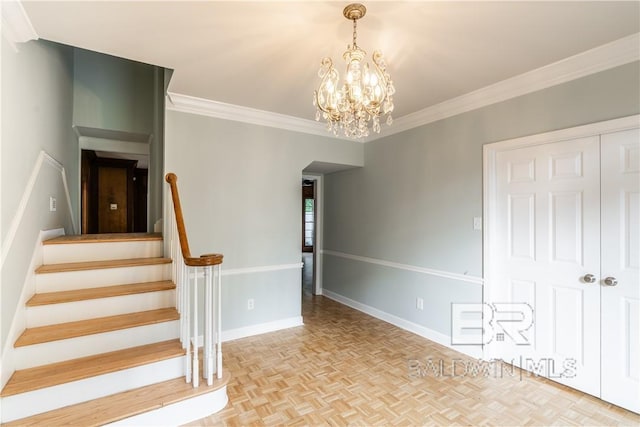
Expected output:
(102, 340)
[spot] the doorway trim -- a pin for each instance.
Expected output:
(121, 142)
(489, 196)
(318, 248)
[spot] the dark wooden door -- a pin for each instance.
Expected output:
(140, 187)
(112, 200)
(113, 195)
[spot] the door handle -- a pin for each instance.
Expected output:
(589, 278)
(610, 281)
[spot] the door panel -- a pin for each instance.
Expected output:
(565, 213)
(112, 200)
(621, 259)
(567, 312)
(522, 230)
(548, 216)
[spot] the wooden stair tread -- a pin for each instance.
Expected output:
(101, 292)
(119, 406)
(98, 265)
(102, 238)
(77, 369)
(98, 325)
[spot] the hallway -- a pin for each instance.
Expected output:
(307, 274)
(344, 367)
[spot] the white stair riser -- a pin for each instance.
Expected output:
(57, 351)
(77, 252)
(47, 399)
(180, 413)
(70, 280)
(100, 307)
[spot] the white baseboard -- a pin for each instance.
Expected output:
(249, 331)
(430, 334)
(262, 328)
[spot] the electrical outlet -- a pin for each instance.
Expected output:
(53, 205)
(250, 304)
(419, 303)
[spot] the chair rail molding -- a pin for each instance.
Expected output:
(43, 158)
(252, 270)
(440, 273)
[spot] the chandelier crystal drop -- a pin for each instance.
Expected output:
(355, 107)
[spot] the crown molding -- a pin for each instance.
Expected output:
(16, 26)
(601, 58)
(238, 113)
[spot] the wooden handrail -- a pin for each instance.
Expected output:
(202, 260)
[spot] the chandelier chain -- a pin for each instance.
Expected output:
(355, 34)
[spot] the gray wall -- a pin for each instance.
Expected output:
(37, 100)
(240, 187)
(118, 94)
(112, 93)
(414, 201)
(47, 88)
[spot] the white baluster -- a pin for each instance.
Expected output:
(187, 320)
(219, 323)
(209, 321)
(185, 289)
(184, 292)
(205, 349)
(196, 366)
(177, 265)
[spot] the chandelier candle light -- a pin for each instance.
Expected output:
(365, 95)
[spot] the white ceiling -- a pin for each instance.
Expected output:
(265, 54)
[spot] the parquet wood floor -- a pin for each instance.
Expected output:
(346, 368)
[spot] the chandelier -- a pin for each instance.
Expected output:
(365, 95)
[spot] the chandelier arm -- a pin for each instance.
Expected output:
(372, 113)
(377, 57)
(330, 115)
(319, 105)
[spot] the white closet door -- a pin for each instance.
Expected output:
(548, 229)
(621, 262)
